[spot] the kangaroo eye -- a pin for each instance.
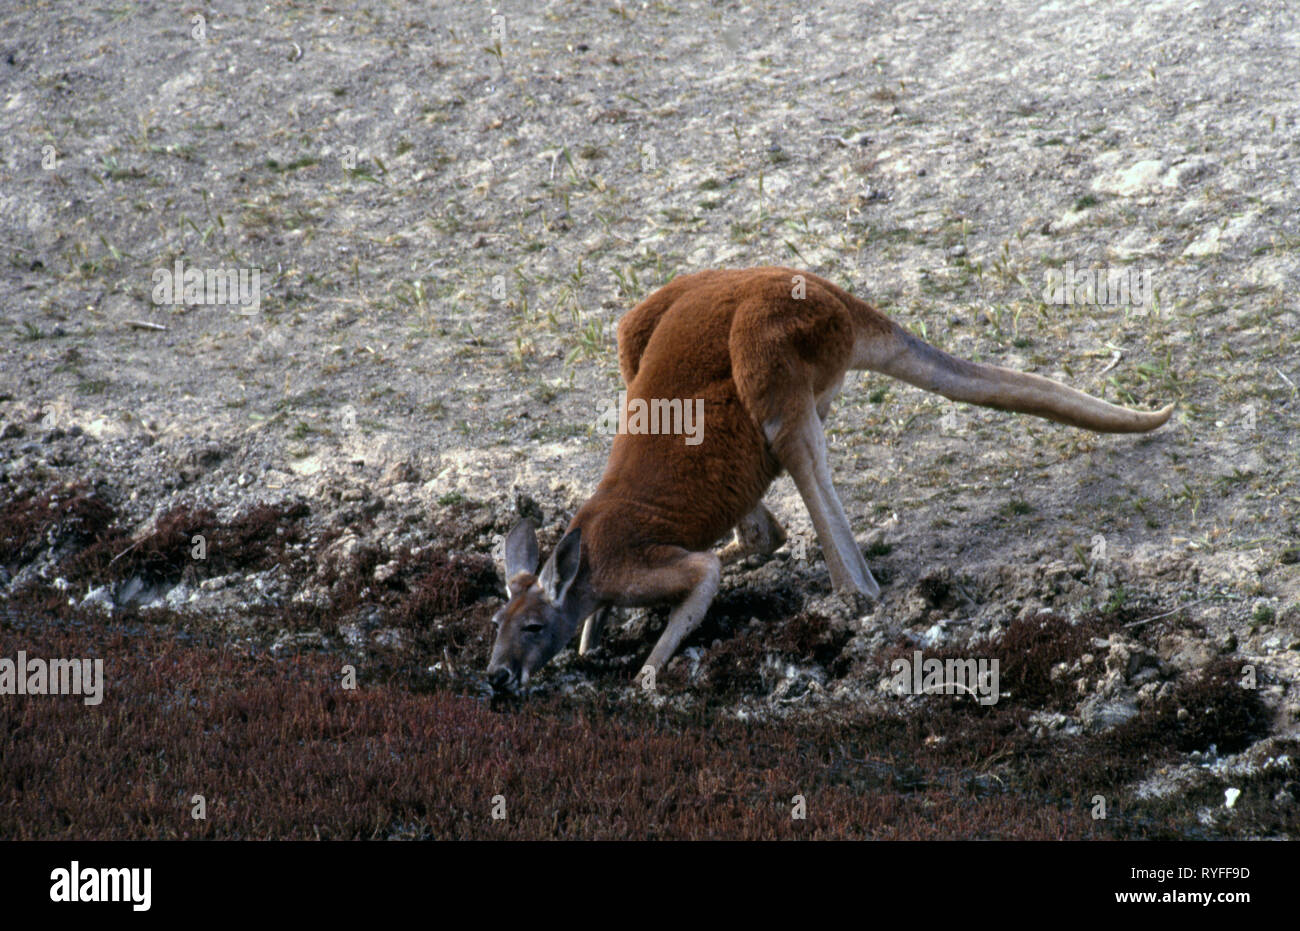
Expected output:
(534, 628)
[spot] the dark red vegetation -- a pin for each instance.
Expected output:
(279, 748)
(31, 521)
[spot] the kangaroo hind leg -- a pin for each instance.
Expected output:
(689, 579)
(800, 446)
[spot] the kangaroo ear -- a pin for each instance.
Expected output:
(521, 549)
(566, 560)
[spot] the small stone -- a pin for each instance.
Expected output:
(1146, 676)
(1185, 173)
(934, 636)
(1097, 714)
(392, 638)
(292, 642)
(102, 596)
(400, 472)
(1138, 178)
(353, 635)
(179, 596)
(133, 589)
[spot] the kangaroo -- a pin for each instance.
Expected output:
(767, 350)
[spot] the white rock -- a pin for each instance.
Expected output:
(1136, 244)
(1184, 173)
(1212, 241)
(1136, 179)
(1070, 219)
(934, 636)
(180, 595)
(1097, 714)
(102, 596)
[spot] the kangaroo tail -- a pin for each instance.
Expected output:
(902, 355)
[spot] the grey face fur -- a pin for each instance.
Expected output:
(538, 620)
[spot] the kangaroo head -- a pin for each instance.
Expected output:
(541, 614)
